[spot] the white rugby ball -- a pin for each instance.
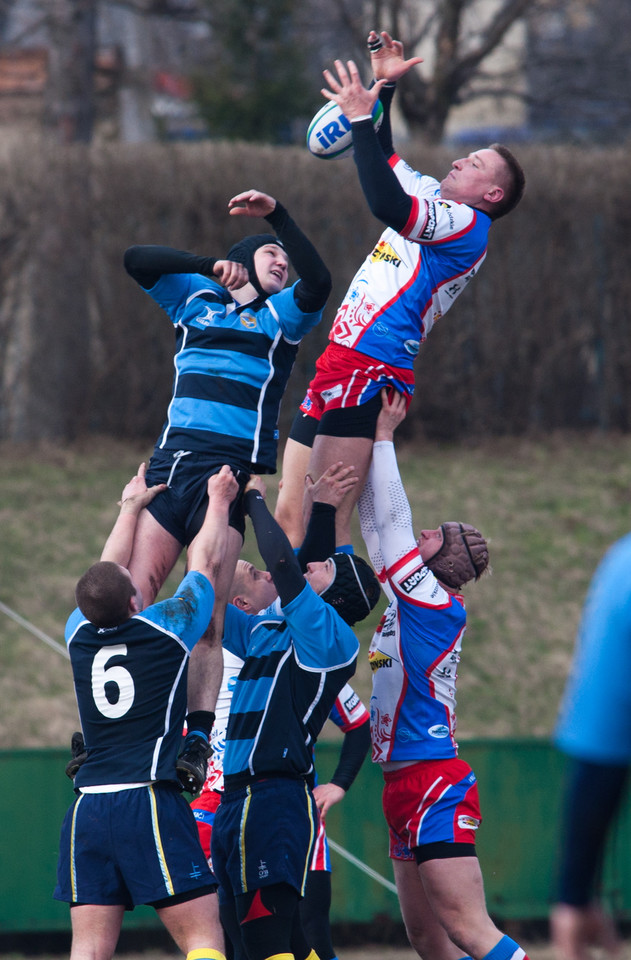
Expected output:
(329, 134)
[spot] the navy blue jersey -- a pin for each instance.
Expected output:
(130, 683)
(232, 364)
(297, 659)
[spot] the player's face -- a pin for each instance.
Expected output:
(429, 543)
(258, 589)
(272, 267)
(472, 178)
(320, 574)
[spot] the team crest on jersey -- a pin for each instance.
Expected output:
(248, 321)
(413, 579)
(384, 253)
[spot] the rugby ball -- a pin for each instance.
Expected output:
(329, 134)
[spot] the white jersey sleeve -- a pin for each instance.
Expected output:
(409, 578)
(433, 219)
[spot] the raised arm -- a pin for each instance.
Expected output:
(323, 498)
(391, 521)
(206, 552)
(386, 198)
(135, 496)
(146, 264)
(314, 286)
(274, 546)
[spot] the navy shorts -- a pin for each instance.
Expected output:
(262, 835)
(182, 507)
(131, 847)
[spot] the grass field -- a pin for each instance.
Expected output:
(549, 507)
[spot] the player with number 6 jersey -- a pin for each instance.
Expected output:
(130, 837)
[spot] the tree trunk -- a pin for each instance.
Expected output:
(69, 102)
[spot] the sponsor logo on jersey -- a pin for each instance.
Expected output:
(430, 225)
(439, 731)
(412, 347)
(468, 823)
(413, 579)
(447, 206)
(206, 319)
(248, 320)
(384, 253)
(352, 702)
(377, 659)
(263, 870)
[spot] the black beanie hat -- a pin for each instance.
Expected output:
(243, 252)
(354, 590)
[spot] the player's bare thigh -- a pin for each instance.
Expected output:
(425, 933)
(289, 505)
(351, 451)
(155, 553)
(95, 931)
(194, 924)
(455, 891)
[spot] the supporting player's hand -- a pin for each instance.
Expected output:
(575, 930)
(222, 487)
(251, 203)
(393, 410)
(325, 795)
(387, 60)
(332, 486)
(256, 483)
(231, 275)
(348, 91)
(136, 494)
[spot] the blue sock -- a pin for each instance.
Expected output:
(345, 548)
(506, 949)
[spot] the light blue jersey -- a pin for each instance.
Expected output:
(595, 717)
(232, 364)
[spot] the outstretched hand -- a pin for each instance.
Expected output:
(136, 494)
(387, 61)
(393, 410)
(348, 91)
(332, 486)
(251, 203)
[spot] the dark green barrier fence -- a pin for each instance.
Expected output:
(520, 786)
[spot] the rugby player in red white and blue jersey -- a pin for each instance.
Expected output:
(434, 244)
(430, 796)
